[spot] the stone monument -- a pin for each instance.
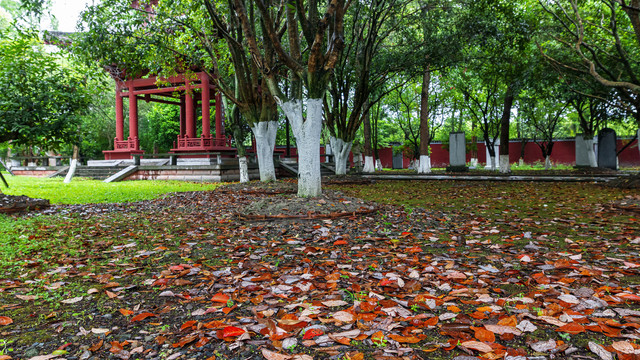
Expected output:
(607, 152)
(457, 152)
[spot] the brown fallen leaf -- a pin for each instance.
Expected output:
(477, 345)
(625, 347)
(4, 320)
(600, 351)
(501, 330)
(270, 355)
(26, 297)
(344, 316)
(95, 347)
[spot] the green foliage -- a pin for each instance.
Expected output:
(43, 97)
(84, 191)
(160, 127)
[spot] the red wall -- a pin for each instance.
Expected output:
(564, 152)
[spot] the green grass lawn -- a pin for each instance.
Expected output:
(86, 191)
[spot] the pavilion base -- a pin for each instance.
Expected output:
(120, 154)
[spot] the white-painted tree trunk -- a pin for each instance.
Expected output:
(368, 165)
(265, 133)
(591, 154)
(307, 135)
(424, 166)
(71, 172)
(341, 150)
(244, 169)
(547, 163)
(473, 163)
(493, 163)
(505, 167)
(378, 165)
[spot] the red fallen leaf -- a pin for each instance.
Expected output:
(340, 242)
(142, 316)
(176, 268)
(414, 249)
(311, 333)
(188, 324)
(5, 320)
(125, 312)
(232, 331)
(220, 298)
(405, 234)
(385, 282)
(571, 328)
(628, 297)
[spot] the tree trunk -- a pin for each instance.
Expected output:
(378, 165)
(591, 154)
(505, 167)
(74, 164)
(307, 135)
(547, 162)
(341, 150)
(424, 166)
(244, 169)
(368, 150)
(265, 134)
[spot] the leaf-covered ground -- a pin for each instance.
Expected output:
(431, 270)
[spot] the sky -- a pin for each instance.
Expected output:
(67, 13)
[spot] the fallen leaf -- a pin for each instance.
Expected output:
(600, 351)
(26, 297)
(126, 312)
(571, 328)
(344, 316)
(502, 329)
(544, 346)
(476, 345)
(624, 347)
(232, 331)
(98, 331)
(270, 355)
(220, 298)
(5, 320)
(72, 300)
(142, 316)
(311, 333)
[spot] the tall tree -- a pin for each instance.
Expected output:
(43, 95)
(602, 39)
(320, 34)
(364, 65)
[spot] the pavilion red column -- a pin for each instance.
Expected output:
(133, 116)
(183, 115)
(119, 115)
(219, 128)
(206, 111)
(190, 119)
